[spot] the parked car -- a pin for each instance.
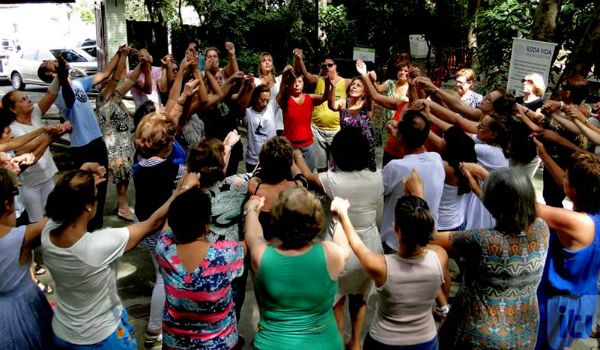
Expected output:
(89, 46)
(23, 69)
(8, 48)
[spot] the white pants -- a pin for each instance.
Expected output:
(34, 199)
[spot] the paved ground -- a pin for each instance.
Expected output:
(136, 272)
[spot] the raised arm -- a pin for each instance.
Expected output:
(63, 79)
(454, 103)
(253, 232)
(111, 85)
(574, 230)
(20, 141)
(299, 65)
(245, 94)
(49, 97)
(232, 66)
(166, 73)
(450, 117)
(139, 231)
(373, 263)
(286, 77)
(558, 174)
(175, 92)
(382, 100)
(130, 82)
(108, 69)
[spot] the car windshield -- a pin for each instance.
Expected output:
(69, 55)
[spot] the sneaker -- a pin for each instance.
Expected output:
(150, 340)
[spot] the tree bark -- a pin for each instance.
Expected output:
(587, 50)
(544, 20)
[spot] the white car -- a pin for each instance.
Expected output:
(8, 48)
(23, 69)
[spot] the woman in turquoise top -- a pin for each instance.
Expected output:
(568, 292)
(295, 278)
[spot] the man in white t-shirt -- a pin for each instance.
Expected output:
(261, 118)
(412, 133)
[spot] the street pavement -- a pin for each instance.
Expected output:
(136, 274)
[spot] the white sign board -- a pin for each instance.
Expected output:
(363, 53)
(528, 56)
(418, 45)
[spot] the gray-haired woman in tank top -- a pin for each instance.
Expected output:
(407, 282)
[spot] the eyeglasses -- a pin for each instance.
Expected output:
(327, 65)
(458, 82)
(528, 81)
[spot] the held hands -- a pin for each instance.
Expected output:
(373, 76)
(298, 54)
(255, 204)
(465, 169)
(63, 67)
(551, 106)
(541, 150)
(573, 113)
(24, 159)
(191, 87)
(339, 206)
(545, 134)
(98, 171)
(413, 184)
(361, 67)
(230, 48)
(425, 84)
(187, 181)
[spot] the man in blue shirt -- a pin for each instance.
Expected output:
(73, 103)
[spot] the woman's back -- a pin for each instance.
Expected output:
(199, 310)
(405, 300)
(295, 296)
(497, 302)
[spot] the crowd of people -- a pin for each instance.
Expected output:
(300, 217)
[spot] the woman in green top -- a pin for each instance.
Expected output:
(295, 278)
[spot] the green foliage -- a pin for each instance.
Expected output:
(336, 30)
(496, 26)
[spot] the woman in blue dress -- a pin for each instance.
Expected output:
(25, 315)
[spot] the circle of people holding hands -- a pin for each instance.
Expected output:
(455, 183)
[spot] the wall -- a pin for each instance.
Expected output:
(116, 27)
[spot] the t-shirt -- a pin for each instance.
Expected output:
(139, 96)
(274, 92)
(430, 167)
(296, 120)
(322, 117)
(45, 168)
(261, 127)
(476, 215)
(80, 114)
(88, 308)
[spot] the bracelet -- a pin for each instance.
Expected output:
(561, 106)
(185, 187)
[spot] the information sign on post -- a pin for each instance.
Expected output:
(363, 53)
(528, 56)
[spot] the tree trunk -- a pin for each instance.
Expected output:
(587, 50)
(180, 16)
(544, 20)
(472, 10)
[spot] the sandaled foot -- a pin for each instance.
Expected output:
(39, 270)
(46, 288)
(127, 214)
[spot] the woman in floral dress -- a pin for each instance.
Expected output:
(355, 111)
(117, 128)
(496, 305)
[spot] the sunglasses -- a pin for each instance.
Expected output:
(327, 65)
(528, 81)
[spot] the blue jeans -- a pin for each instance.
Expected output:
(122, 338)
(373, 344)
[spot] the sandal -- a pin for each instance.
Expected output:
(39, 270)
(46, 288)
(128, 216)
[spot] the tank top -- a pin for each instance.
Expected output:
(294, 293)
(405, 300)
(296, 122)
(322, 117)
(572, 272)
(393, 146)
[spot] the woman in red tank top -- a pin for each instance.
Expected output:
(297, 108)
